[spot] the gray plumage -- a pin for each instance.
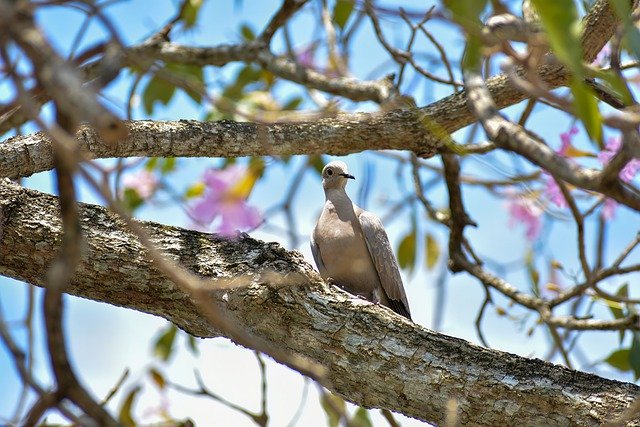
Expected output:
(352, 249)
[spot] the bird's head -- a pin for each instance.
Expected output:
(335, 175)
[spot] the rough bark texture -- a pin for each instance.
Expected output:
(374, 358)
(420, 130)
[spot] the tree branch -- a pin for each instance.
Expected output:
(57, 77)
(349, 133)
(306, 317)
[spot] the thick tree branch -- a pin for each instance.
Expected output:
(599, 25)
(363, 346)
(349, 133)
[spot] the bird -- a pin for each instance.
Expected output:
(351, 248)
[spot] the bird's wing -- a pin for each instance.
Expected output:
(317, 257)
(385, 262)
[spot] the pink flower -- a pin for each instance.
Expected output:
(630, 170)
(305, 56)
(143, 182)
(528, 212)
(553, 192)
(566, 138)
(223, 199)
(609, 209)
(610, 150)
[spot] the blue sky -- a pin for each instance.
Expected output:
(104, 340)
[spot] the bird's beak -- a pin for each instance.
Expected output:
(346, 175)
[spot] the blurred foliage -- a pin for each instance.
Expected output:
(161, 90)
(342, 11)
(125, 415)
(131, 200)
(432, 251)
(407, 252)
(163, 346)
(336, 410)
(631, 34)
(562, 24)
(190, 12)
(157, 378)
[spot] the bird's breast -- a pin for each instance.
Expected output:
(345, 255)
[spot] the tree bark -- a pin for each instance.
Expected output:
(373, 357)
(419, 130)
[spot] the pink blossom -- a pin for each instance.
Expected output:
(143, 182)
(528, 212)
(630, 170)
(305, 56)
(566, 138)
(553, 192)
(610, 150)
(609, 209)
(220, 200)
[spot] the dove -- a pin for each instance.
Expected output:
(351, 248)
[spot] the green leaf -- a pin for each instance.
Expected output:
(247, 33)
(472, 57)
(561, 22)
(228, 161)
(268, 77)
(163, 347)
(334, 407)
(432, 250)
(257, 166)
(615, 307)
(157, 378)
(634, 355)
(623, 292)
(124, 416)
(151, 164)
(168, 165)
(192, 345)
(534, 274)
(293, 103)
(586, 108)
(247, 74)
(193, 76)
(619, 359)
(360, 419)
(317, 162)
(190, 12)
(157, 90)
(195, 190)
(216, 115)
(342, 12)
(631, 39)
(616, 85)
(131, 199)
(407, 251)
(467, 13)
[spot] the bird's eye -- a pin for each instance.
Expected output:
(329, 172)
